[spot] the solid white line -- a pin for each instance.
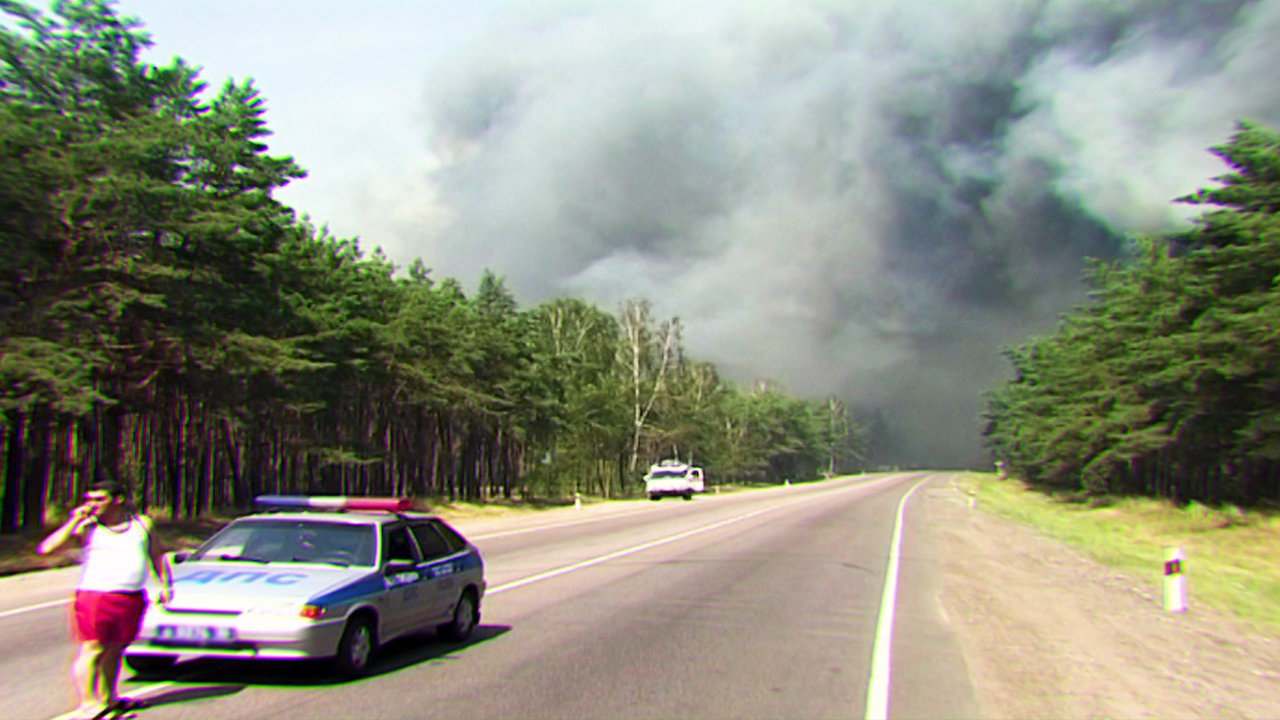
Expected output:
(623, 553)
(553, 526)
(144, 692)
(878, 686)
(653, 544)
(55, 603)
(32, 608)
(650, 508)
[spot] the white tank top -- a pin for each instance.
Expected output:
(115, 561)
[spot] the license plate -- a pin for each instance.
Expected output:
(195, 634)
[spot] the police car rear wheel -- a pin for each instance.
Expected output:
(355, 650)
(465, 616)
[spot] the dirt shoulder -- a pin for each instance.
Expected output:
(1048, 633)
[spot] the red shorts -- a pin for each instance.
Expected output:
(108, 617)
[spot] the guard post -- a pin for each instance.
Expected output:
(1175, 581)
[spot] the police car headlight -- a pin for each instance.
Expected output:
(287, 610)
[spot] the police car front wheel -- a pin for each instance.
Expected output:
(355, 650)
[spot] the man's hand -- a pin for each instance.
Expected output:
(77, 524)
(82, 517)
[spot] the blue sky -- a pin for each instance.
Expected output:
(344, 82)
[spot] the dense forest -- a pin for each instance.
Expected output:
(166, 322)
(1167, 383)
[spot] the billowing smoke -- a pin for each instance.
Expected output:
(863, 198)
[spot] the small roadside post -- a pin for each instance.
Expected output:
(577, 501)
(1175, 582)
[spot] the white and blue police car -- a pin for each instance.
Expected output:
(314, 577)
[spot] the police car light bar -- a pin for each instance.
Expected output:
(335, 502)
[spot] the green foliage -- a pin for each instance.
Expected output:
(1167, 383)
(164, 319)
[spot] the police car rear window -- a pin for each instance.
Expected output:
(451, 536)
(429, 542)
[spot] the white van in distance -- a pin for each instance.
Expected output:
(672, 477)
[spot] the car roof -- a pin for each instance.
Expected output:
(348, 517)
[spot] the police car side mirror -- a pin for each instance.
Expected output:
(179, 557)
(395, 567)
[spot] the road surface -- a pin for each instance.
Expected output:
(757, 604)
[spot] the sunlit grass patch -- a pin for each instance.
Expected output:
(18, 554)
(186, 534)
(1232, 561)
(485, 511)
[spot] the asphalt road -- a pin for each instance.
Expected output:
(759, 604)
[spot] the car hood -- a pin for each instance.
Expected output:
(224, 586)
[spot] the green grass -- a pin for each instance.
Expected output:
(1232, 563)
(18, 552)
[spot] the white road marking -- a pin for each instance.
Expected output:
(621, 553)
(145, 693)
(556, 526)
(878, 685)
(655, 543)
(32, 608)
(56, 603)
(539, 528)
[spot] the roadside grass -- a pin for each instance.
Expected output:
(1232, 563)
(18, 552)
(497, 509)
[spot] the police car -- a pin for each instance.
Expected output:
(314, 577)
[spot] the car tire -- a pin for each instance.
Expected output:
(356, 648)
(688, 496)
(655, 497)
(466, 616)
(150, 664)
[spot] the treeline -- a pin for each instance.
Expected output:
(166, 322)
(1168, 383)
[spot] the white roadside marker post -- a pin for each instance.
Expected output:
(577, 501)
(1175, 582)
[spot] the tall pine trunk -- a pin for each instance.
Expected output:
(36, 473)
(109, 422)
(11, 502)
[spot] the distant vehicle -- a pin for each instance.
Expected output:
(671, 478)
(303, 583)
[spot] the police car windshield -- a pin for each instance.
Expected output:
(297, 541)
(668, 474)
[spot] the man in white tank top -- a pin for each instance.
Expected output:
(119, 552)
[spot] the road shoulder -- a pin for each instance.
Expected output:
(1048, 633)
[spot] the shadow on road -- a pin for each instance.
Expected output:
(176, 696)
(235, 675)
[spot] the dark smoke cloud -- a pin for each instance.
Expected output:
(863, 198)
